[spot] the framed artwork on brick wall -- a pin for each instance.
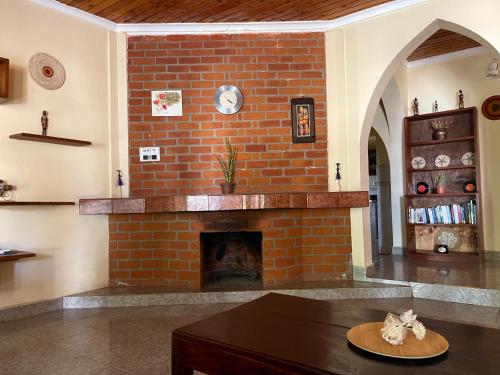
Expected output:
(303, 130)
(166, 103)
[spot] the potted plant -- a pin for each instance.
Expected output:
(438, 180)
(228, 167)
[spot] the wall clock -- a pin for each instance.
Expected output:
(228, 99)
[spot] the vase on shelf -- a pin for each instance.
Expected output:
(440, 190)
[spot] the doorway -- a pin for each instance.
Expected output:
(380, 196)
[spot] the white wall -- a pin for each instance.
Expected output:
(441, 81)
(72, 250)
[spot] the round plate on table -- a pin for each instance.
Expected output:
(367, 336)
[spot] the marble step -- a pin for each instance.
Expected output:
(439, 292)
(126, 297)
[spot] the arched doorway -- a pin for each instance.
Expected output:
(384, 81)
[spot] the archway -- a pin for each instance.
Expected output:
(377, 94)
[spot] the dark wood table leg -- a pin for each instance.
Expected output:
(178, 361)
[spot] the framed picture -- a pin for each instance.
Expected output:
(303, 130)
(166, 103)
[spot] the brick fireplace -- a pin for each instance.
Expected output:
(282, 192)
(165, 249)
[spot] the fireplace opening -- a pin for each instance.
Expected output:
(231, 260)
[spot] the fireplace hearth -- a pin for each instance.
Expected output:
(231, 260)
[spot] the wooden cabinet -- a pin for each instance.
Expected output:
(4, 79)
(452, 217)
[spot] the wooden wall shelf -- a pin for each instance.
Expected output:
(4, 79)
(48, 139)
(15, 255)
(15, 203)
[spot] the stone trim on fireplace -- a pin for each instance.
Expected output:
(197, 203)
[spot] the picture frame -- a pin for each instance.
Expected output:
(166, 103)
(303, 127)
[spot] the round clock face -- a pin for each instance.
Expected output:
(228, 99)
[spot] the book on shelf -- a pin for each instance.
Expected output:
(465, 213)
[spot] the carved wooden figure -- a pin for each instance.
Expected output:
(45, 122)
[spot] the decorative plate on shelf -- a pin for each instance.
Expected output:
(442, 161)
(418, 162)
(469, 186)
(367, 337)
(422, 188)
(468, 158)
(448, 237)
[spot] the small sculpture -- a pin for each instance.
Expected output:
(439, 129)
(394, 333)
(338, 177)
(119, 181)
(45, 123)
(435, 106)
(460, 99)
(415, 107)
(6, 191)
(396, 327)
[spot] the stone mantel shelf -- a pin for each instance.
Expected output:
(204, 203)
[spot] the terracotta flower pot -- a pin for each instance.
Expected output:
(440, 190)
(227, 187)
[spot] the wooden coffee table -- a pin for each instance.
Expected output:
(280, 334)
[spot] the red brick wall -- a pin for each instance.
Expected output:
(164, 249)
(270, 69)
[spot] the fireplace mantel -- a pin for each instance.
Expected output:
(233, 202)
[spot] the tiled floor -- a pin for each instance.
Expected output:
(475, 274)
(136, 340)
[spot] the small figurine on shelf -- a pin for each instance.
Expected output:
(435, 106)
(119, 181)
(6, 191)
(45, 123)
(460, 99)
(338, 177)
(414, 106)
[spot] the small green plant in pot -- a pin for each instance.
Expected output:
(438, 180)
(228, 168)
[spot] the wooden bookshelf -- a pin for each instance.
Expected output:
(461, 137)
(48, 139)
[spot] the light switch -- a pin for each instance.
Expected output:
(149, 154)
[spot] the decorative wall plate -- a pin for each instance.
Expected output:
(448, 237)
(469, 186)
(491, 107)
(46, 71)
(418, 162)
(422, 188)
(468, 158)
(442, 161)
